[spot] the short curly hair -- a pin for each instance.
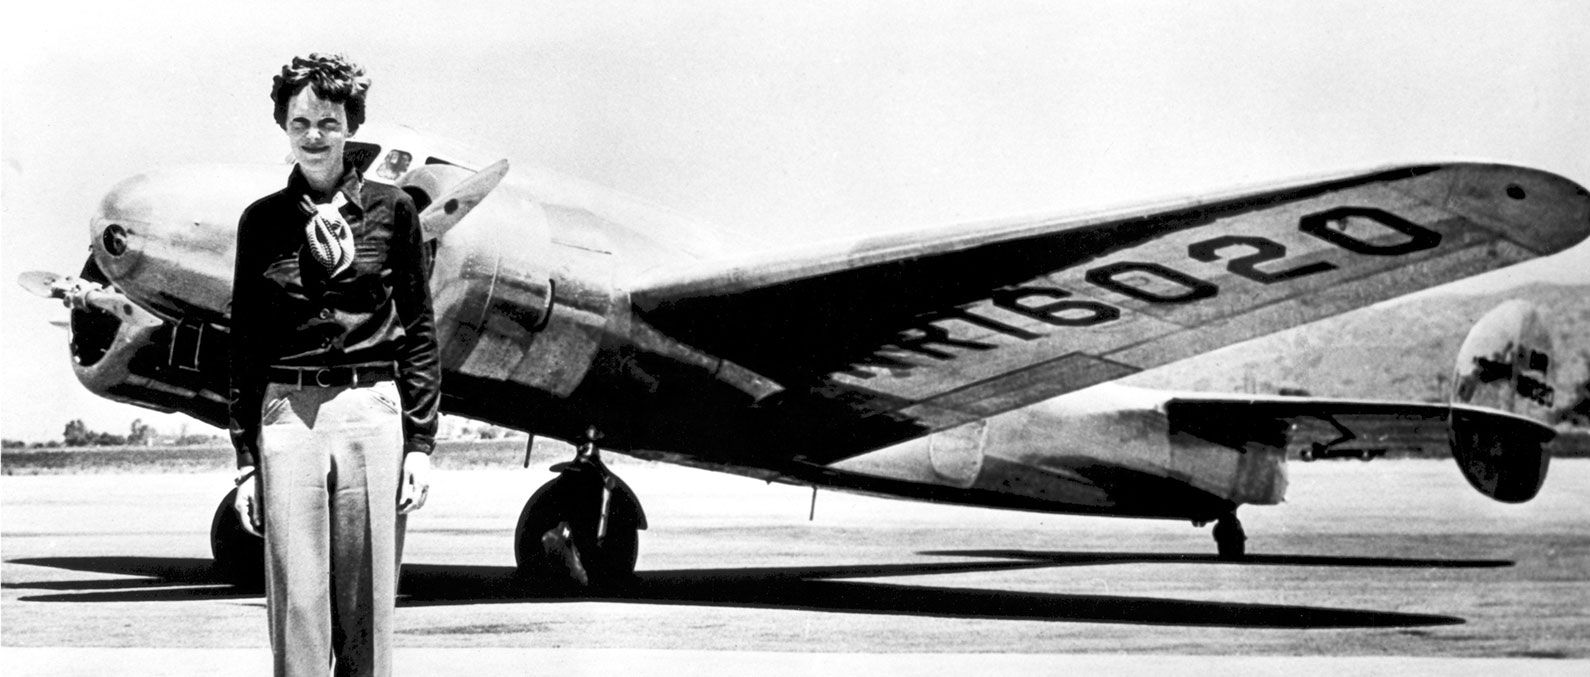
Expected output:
(335, 79)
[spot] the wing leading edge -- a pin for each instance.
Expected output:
(936, 329)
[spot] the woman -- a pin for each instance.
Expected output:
(335, 381)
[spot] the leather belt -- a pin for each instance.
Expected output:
(332, 377)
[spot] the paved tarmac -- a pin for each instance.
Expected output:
(1371, 568)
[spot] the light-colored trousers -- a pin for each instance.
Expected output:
(331, 461)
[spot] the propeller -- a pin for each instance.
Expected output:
(76, 292)
(446, 211)
(40, 283)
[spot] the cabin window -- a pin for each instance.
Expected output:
(395, 164)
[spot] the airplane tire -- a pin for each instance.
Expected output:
(555, 540)
(239, 555)
(1230, 540)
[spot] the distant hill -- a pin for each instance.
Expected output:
(1400, 351)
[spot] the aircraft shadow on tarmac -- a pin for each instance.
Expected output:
(1093, 558)
(815, 588)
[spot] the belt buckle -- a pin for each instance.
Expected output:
(320, 376)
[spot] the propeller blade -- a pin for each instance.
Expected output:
(42, 284)
(76, 292)
(448, 210)
(113, 302)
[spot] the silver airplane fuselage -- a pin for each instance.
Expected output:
(532, 283)
(538, 334)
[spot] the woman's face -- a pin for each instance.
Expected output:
(316, 130)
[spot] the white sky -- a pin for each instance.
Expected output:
(786, 121)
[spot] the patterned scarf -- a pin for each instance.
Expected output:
(330, 239)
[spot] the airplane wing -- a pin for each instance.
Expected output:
(934, 329)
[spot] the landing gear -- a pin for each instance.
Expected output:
(581, 528)
(1230, 540)
(239, 555)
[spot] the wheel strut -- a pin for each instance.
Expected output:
(1230, 540)
(581, 526)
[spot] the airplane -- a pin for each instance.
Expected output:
(969, 364)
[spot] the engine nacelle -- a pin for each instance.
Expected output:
(500, 314)
(167, 238)
(1108, 447)
(1506, 364)
(137, 358)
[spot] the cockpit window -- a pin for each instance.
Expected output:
(361, 154)
(396, 163)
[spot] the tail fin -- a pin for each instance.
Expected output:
(1504, 364)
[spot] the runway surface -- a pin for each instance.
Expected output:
(1398, 564)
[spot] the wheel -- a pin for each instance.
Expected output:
(1230, 541)
(239, 555)
(556, 538)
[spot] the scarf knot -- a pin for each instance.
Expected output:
(327, 232)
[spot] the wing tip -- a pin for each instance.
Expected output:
(1542, 211)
